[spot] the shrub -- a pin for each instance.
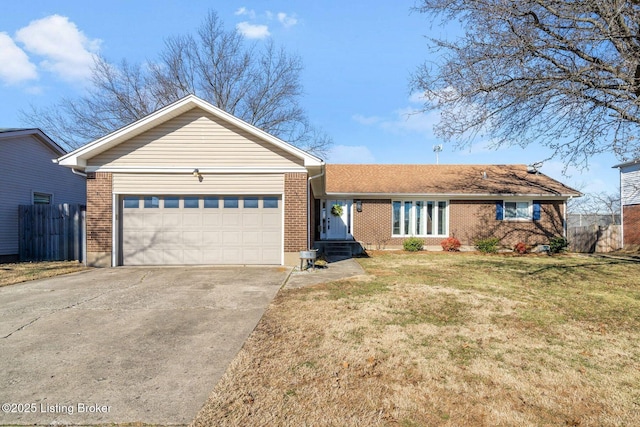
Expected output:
(558, 244)
(450, 244)
(488, 245)
(520, 248)
(413, 244)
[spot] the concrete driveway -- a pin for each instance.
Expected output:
(124, 345)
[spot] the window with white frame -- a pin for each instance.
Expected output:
(518, 210)
(419, 218)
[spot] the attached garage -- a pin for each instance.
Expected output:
(183, 230)
(191, 184)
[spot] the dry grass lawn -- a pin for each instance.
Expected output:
(447, 340)
(25, 271)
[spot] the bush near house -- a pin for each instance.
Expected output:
(450, 244)
(413, 244)
(521, 248)
(488, 245)
(558, 244)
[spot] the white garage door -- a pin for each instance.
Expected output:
(179, 230)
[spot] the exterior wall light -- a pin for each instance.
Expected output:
(359, 205)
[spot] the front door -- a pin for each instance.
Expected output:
(337, 220)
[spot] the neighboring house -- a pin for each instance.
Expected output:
(191, 184)
(29, 176)
(384, 204)
(630, 201)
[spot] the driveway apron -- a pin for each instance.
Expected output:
(125, 345)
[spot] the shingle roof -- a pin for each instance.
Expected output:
(441, 179)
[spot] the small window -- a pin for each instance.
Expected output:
(210, 202)
(230, 202)
(250, 202)
(191, 202)
(171, 202)
(42, 199)
(151, 202)
(517, 210)
(270, 202)
(131, 202)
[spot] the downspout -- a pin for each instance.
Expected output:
(76, 172)
(308, 213)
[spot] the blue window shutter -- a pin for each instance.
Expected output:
(536, 210)
(499, 210)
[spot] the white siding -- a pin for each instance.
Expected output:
(196, 139)
(26, 167)
(130, 183)
(630, 183)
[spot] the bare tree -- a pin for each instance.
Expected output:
(257, 83)
(593, 206)
(563, 74)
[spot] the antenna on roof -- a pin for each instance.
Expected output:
(437, 149)
(533, 168)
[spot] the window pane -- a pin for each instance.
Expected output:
(419, 217)
(522, 210)
(407, 218)
(131, 202)
(191, 202)
(442, 218)
(270, 202)
(210, 202)
(41, 199)
(151, 202)
(429, 218)
(171, 202)
(396, 217)
(230, 202)
(509, 209)
(250, 202)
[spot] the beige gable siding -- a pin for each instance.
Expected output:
(124, 183)
(196, 139)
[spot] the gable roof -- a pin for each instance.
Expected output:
(450, 180)
(6, 133)
(78, 158)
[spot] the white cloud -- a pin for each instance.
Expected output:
(243, 11)
(350, 154)
(15, 66)
(252, 31)
(364, 120)
(287, 20)
(66, 50)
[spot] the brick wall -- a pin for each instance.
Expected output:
(99, 211)
(468, 221)
(631, 221)
(295, 212)
(472, 220)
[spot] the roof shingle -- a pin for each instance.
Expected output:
(441, 179)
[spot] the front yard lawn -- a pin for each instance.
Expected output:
(25, 271)
(445, 339)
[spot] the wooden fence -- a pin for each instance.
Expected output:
(52, 232)
(594, 238)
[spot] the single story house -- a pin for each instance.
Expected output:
(192, 184)
(28, 176)
(630, 202)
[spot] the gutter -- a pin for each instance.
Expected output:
(308, 213)
(77, 172)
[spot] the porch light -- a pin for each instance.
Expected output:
(359, 205)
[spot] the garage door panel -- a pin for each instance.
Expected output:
(251, 237)
(192, 220)
(202, 233)
(231, 238)
(212, 220)
(232, 219)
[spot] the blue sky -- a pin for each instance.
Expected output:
(358, 57)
